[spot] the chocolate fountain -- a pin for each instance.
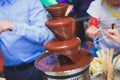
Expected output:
(64, 59)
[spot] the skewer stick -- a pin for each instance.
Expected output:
(117, 59)
(100, 39)
(107, 19)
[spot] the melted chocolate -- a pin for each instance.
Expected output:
(50, 62)
(64, 53)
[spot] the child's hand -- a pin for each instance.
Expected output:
(114, 35)
(93, 31)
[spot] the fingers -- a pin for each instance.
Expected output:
(116, 39)
(112, 32)
(114, 35)
(111, 36)
(93, 32)
(5, 25)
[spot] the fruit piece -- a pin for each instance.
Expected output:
(93, 22)
(96, 66)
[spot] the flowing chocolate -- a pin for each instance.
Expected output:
(64, 52)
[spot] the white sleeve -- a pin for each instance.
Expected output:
(94, 8)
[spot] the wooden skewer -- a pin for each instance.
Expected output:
(100, 39)
(106, 57)
(107, 19)
(103, 61)
(110, 65)
(116, 61)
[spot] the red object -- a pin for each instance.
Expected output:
(93, 21)
(1, 62)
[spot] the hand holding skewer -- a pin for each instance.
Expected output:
(113, 34)
(93, 30)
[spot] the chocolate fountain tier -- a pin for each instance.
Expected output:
(49, 63)
(67, 48)
(58, 10)
(61, 27)
(57, 45)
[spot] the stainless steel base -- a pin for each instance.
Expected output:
(76, 74)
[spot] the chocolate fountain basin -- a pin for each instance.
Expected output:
(83, 58)
(49, 64)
